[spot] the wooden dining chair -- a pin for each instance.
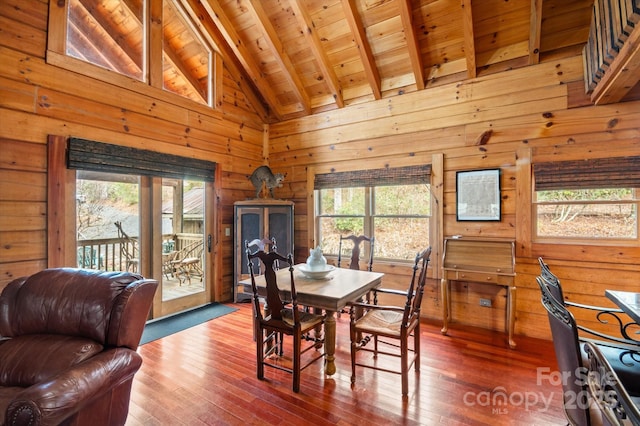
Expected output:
(280, 319)
(392, 326)
(573, 362)
(357, 241)
(265, 244)
(615, 405)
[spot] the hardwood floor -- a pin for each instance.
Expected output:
(206, 375)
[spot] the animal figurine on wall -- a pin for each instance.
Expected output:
(264, 177)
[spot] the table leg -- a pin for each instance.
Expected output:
(445, 305)
(330, 343)
(511, 314)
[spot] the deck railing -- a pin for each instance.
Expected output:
(108, 254)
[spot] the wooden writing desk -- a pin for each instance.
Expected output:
(482, 260)
(332, 294)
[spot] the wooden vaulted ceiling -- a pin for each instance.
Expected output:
(297, 57)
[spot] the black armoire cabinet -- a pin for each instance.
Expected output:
(259, 218)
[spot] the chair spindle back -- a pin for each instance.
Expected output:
(416, 288)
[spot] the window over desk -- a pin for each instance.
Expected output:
(591, 199)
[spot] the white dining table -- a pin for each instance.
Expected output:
(330, 294)
(628, 301)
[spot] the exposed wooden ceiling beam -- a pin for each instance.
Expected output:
(535, 27)
(366, 55)
(83, 48)
(229, 59)
(272, 39)
(228, 32)
(242, 80)
(406, 15)
(109, 53)
(310, 34)
(173, 61)
(136, 8)
(469, 39)
(622, 74)
(114, 33)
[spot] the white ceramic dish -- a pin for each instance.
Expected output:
(315, 274)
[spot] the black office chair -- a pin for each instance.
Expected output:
(616, 407)
(604, 315)
(572, 361)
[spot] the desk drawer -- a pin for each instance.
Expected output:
(480, 277)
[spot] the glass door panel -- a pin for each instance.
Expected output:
(110, 211)
(183, 242)
(108, 221)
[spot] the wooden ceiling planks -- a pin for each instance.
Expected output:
(293, 58)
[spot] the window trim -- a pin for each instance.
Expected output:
(530, 247)
(583, 239)
(61, 223)
(587, 173)
(153, 83)
(369, 218)
(436, 225)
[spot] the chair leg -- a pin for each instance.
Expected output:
(416, 346)
(259, 333)
(354, 349)
(296, 362)
(375, 346)
(404, 368)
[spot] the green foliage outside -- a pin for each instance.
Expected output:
(124, 192)
(399, 234)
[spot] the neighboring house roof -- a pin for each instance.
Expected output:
(193, 204)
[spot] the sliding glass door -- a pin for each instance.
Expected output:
(151, 226)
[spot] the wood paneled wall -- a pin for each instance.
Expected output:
(38, 99)
(501, 121)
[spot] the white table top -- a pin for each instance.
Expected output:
(628, 301)
(331, 293)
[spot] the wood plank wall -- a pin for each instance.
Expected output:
(501, 121)
(38, 99)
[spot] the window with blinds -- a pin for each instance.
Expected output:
(592, 199)
(391, 204)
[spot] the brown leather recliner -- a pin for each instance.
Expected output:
(68, 340)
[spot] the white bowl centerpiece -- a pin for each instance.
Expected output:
(316, 266)
(316, 274)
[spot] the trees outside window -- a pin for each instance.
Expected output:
(397, 216)
(602, 213)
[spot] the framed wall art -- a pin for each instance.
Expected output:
(478, 195)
